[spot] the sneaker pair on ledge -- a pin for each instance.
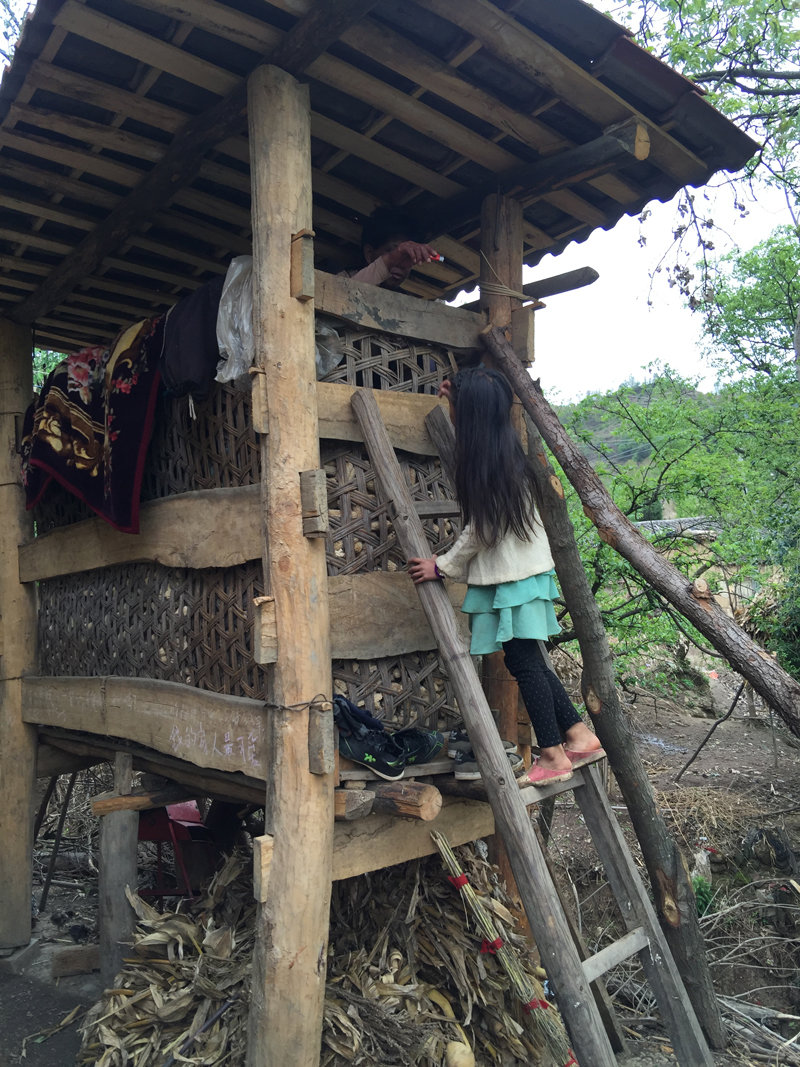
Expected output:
(363, 739)
(459, 749)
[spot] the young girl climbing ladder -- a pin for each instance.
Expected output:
(503, 556)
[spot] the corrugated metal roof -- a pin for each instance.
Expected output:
(426, 105)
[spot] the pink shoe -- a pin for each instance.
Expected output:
(580, 759)
(539, 775)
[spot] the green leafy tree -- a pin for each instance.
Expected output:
(728, 456)
(11, 14)
(754, 298)
(746, 57)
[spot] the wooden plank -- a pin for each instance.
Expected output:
(476, 790)
(116, 919)
(557, 283)
(382, 840)
(188, 530)
(207, 729)
(539, 898)
(221, 785)
(524, 51)
(314, 502)
(17, 649)
(378, 614)
(354, 772)
(52, 761)
(378, 155)
(380, 43)
(615, 953)
(128, 41)
(538, 179)
(263, 850)
(404, 414)
(140, 799)
(288, 981)
(381, 309)
(81, 87)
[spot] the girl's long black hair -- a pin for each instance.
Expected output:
(495, 484)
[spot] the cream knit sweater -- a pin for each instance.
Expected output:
(506, 561)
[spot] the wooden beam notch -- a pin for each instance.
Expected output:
(266, 631)
(314, 503)
(302, 265)
(321, 742)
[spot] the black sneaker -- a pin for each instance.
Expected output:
(419, 746)
(376, 750)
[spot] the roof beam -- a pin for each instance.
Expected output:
(307, 40)
(629, 139)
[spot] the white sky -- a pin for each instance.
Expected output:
(595, 338)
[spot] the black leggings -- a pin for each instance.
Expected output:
(550, 709)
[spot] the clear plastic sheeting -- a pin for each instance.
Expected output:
(235, 321)
(235, 328)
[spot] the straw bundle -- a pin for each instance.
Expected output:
(527, 988)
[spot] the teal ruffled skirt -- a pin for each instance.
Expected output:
(511, 609)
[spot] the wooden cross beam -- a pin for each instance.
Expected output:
(626, 140)
(308, 39)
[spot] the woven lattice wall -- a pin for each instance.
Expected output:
(196, 627)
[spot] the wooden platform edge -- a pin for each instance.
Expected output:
(379, 841)
(206, 729)
(381, 309)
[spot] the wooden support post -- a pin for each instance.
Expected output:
(541, 903)
(501, 265)
(17, 648)
(288, 984)
(118, 842)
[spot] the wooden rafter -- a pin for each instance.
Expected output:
(304, 42)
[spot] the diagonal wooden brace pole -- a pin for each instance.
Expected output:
(692, 600)
(512, 820)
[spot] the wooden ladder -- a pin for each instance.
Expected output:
(571, 975)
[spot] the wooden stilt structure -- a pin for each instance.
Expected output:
(288, 985)
(118, 843)
(17, 647)
(501, 274)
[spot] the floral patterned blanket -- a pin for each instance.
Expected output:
(91, 425)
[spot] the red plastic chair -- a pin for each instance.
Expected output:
(174, 825)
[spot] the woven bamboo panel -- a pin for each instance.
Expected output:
(384, 361)
(361, 536)
(403, 690)
(196, 627)
(141, 619)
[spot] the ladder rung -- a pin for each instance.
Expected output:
(535, 794)
(608, 957)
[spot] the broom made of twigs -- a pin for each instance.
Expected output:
(527, 989)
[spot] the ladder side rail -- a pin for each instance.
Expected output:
(539, 898)
(676, 1009)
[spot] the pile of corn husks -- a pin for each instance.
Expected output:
(406, 977)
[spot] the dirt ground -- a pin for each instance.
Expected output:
(749, 761)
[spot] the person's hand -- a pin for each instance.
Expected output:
(422, 570)
(407, 255)
(445, 389)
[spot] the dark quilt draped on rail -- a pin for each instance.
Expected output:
(91, 425)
